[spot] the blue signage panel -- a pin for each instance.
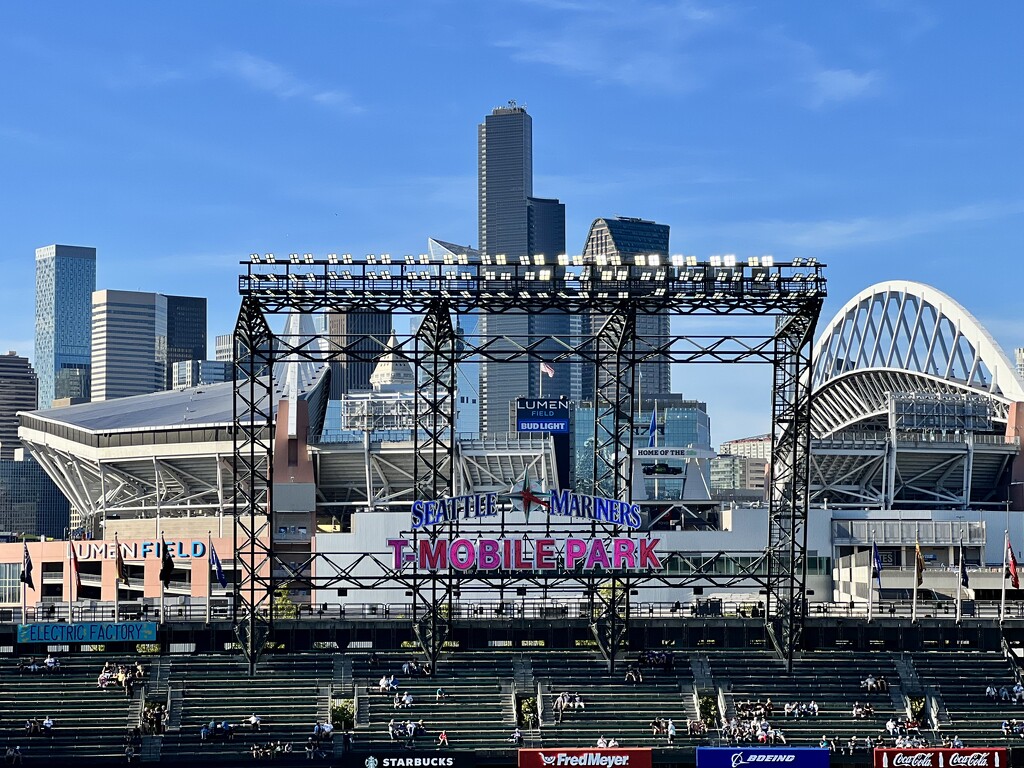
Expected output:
(762, 757)
(541, 415)
(89, 632)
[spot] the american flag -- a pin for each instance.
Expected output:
(546, 368)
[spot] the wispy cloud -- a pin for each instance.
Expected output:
(630, 43)
(264, 75)
(860, 230)
(833, 86)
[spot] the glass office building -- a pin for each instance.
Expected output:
(515, 223)
(65, 281)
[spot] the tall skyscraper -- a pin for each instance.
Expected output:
(129, 343)
(18, 392)
(366, 333)
(515, 223)
(625, 238)
(186, 331)
(65, 280)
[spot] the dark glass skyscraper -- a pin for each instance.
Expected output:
(515, 223)
(17, 393)
(65, 280)
(364, 332)
(186, 331)
(626, 237)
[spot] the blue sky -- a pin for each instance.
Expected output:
(883, 138)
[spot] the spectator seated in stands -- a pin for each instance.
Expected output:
(658, 726)
(12, 756)
(991, 692)
(869, 683)
(827, 743)
(633, 674)
(1018, 693)
(48, 725)
(392, 684)
(696, 727)
(383, 686)
(204, 732)
(516, 738)
(613, 743)
(226, 730)
(255, 723)
(862, 711)
(1004, 693)
(602, 742)
(440, 694)
(29, 665)
(663, 659)
(442, 739)
(52, 664)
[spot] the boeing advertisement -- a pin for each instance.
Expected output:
(762, 757)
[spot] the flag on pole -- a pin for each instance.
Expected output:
(119, 566)
(876, 564)
(166, 563)
(26, 570)
(1011, 564)
(216, 564)
(653, 430)
(548, 369)
(919, 564)
(76, 570)
(964, 581)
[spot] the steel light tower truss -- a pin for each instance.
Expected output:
(435, 290)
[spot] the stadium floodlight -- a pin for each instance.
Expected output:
(448, 258)
(798, 261)
(538, 260)
(308, 258)
(346, 258)
(691, 261)
(268, 258)
(544, 274)
(501, 259)
(622, 274)
(661, 274)
(602, 259)
(578, 260)
(653, 260)
(678, 260)
(450, 274)
(485, 258)
(490, 274)
(767, 260)
(463, 258)
(371, 275)
(563, 260)
(506, 276)
(424, 258)
(371, 258)
(385, 258)
(347, 275)
(332, 275)
(607, 274)
(729, 259)
(640, 260)
(812, 262)
(616, 259)
(716, 261)
(753, 261)
(332, 258)
(254, 258)
(293, 258)
(530, 275)
(645, 275)
(410, 259)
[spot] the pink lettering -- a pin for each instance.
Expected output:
(462, 554)
(598, 556)
(433, 554)
(624, 555)
(398, 547)
(648, 557)
(544, 554)
(575, 549)
(488, 558)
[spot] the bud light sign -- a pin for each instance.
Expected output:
(981, 757)
(534, 415)
(768, 757)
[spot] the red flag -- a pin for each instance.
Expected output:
(1012, 563)
(76, 569)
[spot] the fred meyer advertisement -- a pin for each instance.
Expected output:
(579, 758)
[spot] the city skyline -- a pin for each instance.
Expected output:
(880, 140)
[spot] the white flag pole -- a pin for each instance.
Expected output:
(209, 581)
(871, 580)
(1002, 596)
(918, 576)
(959, 583)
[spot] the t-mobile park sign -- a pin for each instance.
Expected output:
(614, 553)
(979, 757)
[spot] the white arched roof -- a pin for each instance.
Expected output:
(907, 332)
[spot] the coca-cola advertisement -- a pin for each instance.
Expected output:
(979, 757)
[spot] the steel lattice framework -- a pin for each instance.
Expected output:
(792, 293)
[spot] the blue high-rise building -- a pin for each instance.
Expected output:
(65, 281)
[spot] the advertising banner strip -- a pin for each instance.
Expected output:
(89, 632)
(970, 757)
(584, 758)
(736, 757)
(415, 758)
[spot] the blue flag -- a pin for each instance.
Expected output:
(215, 562)
(653, 430)
(876, 564)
